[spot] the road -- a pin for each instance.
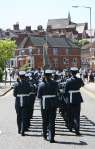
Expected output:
(33, 140)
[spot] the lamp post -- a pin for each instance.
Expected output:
(90, 12)
(22, 55)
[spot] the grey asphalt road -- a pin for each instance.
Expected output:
(9, 139)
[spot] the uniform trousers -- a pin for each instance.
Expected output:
(48, 119)
(74, 116)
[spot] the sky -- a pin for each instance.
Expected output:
(37, 12)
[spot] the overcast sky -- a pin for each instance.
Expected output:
(37, 12)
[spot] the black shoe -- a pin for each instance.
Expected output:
(19, 132)
(70, 129)
(78, 133)
(26, 129)
(45, 137)
(23, 134)
(52, 141)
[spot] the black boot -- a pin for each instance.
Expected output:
(52, 141)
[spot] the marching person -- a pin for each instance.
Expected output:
(32, 96)
(22, 93)
(47, 92)
(73, 96)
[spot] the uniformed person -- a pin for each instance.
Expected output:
(32, 96)
(74, 99)
(47, 92)
(22, 92)
(63, 106)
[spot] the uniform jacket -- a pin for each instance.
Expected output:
(74, 84)
(49, 87)
(21, 88)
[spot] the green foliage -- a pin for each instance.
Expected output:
(7, 49)
(81, 42)
(25, 67)
(76, 42)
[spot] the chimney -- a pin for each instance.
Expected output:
(16, 26)
(28, 28)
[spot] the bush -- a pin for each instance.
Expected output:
(25, 67)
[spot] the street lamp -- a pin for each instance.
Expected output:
(90, 18)
(90, 11)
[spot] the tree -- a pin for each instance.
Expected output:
(7, 49)
(81, 42)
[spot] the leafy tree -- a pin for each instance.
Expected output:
(81, 42)
(7, 49)
(24, 67)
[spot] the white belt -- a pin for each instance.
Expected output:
(47, 96)
(23, 95)
(71, 92)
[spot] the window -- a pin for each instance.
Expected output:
(65, 61)
(55, 51)
(21, 51)
(67, 51)
(38, 52)
(30, 51)
(55, 62)
(74, 61)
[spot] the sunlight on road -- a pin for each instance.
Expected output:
(0, 131)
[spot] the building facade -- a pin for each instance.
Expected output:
(88, 56)
(55, 52)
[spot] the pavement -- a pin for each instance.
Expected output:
(5, 88)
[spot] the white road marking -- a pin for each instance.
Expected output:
(0, 131)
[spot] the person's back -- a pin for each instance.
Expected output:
(73, 98)
(47, 92)
(91, 77)
(22, 93)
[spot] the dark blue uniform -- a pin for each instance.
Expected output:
(32, 97)
(22, 92)
(73, 98)
(47, 92)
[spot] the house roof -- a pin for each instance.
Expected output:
(23, 42)
(58, 23)
(60, 42)
(39, 41)
(80, 27)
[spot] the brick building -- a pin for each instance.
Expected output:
(88, 56)
(64, 26)
(61, 52)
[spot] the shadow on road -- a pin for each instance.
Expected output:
(72, 143)
(87, 128)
